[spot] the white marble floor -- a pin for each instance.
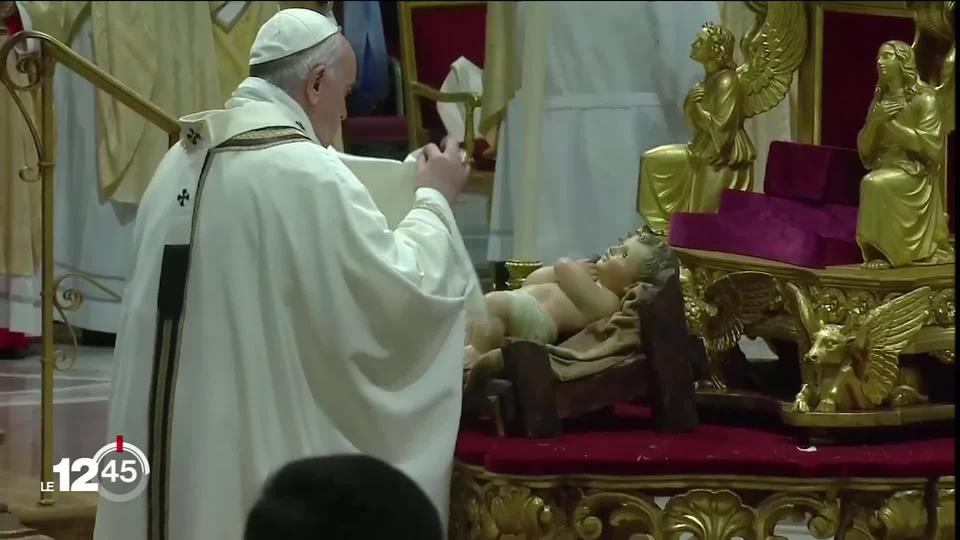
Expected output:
(80, 408)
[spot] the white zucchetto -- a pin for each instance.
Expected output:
(289, 32)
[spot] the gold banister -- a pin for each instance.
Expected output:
(100, 79)
(39, 70)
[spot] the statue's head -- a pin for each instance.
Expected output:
(897, 67)
(641, 257)
(829, 345)
(714, 44)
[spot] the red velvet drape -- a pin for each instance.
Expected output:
(441, 35)
(850, 45)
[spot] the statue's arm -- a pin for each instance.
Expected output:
(726, 110)
(544, 274)
(924, 138)
(696, 116)
(593, 301)
(869, 135)
(867, 142)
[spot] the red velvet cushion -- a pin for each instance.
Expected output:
(13, 340)
(850, 45)
(818, 174)
(441, 35)
(850, 76)
(364, 129)
(627, 445)
(775, 229)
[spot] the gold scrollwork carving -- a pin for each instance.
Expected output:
(637, 514)
(29, 68)
(947, 357)
(946, 512)
(708, 515)
(944, 307)
(518, 513)
(70, 300)
(498, 511)
(494, 507)
(903, 516)
(824, 514)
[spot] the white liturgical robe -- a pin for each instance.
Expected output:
(614, 78)
(308, 327)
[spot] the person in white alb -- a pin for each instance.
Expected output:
(272, 314)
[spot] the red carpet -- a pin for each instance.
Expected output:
(625, 445)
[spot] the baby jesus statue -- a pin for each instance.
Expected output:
(561, 300)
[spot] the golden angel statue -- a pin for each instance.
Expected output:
(690, 177)
(730, 304)
(857, 366)
(903, 216)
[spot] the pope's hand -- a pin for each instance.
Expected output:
(445, 171)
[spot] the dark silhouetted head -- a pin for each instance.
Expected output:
(342, 498)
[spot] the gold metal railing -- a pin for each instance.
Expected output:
(38, 68)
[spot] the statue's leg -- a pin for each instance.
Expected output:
(708, 185)
(489, 335)
(909, 389)
(806, 399)
(895, 226)
(486, 367)
(664, 185)
(844, 392)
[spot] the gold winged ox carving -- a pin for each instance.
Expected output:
(856, 366)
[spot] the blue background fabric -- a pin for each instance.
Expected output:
(363, 28)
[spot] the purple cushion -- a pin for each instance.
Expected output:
(818, 174)
(773, 228)
(807, 217)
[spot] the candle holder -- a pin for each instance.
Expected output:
(519, 270)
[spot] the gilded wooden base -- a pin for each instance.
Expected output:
(487, 506)
(842, 296)
(756, 402)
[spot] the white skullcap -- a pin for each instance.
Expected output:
(289, 32)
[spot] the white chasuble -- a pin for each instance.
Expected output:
(307, 327)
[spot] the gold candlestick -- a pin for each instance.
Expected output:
(519, 270)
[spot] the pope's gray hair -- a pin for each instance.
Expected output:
(289, 72)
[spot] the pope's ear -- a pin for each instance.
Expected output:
(317, 75)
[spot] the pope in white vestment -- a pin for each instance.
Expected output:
(284, 317)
